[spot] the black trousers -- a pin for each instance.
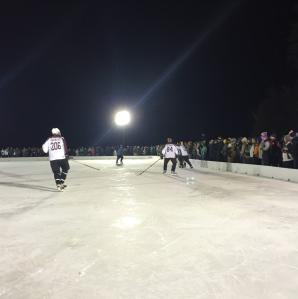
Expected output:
(183, 159)
(119, 158)
(60, 169)
(166, 161)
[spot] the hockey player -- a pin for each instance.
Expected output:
(169, 152)
(184, 157)
(120, 152)
(57, 149)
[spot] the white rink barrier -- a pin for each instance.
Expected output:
(285, 174)
(278, 173)
(34, 159)
(109, 157)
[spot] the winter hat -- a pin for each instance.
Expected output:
(244, 140)
(264, 135)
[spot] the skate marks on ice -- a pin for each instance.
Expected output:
(86, 165)
(28, 186)
(22, 177)
(15, 211)
(13, 175)
(199, 189)
(42, 263)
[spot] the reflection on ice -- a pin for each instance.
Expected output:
(127, 222)
(190, 180)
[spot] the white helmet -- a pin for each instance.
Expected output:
(56, 131)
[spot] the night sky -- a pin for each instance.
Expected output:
(72, 65)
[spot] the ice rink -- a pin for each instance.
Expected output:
(116, 234)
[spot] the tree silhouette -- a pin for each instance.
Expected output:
(278, 110)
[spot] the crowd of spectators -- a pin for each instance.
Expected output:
(136, 150)
(153, 150)
(7, 152)
(264, 150)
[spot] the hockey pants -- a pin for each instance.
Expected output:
(166, 161)
(183, 159)
(60, 169)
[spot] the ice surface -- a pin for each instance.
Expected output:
(114, 234)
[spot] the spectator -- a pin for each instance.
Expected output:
(295, 149)
(203, 150)
(254, 152)
(232, 151)
(265, 146)
(224, 150)
(275, 156)
(287, 158)
(245, 151)
(211, 153)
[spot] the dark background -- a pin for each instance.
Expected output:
(72, 66)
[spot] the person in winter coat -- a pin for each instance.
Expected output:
(295, 149)
(203, 150)
(287, 157)
(275, 155)
(265, 146)
(231, 151)
(245, 151)
(254, 152)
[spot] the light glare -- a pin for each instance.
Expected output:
(122, 118)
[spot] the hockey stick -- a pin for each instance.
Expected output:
(148, 167)
(86, 165)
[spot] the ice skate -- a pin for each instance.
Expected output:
(59, 187)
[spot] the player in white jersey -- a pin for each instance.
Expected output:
(183, 157)
(57, 149)
(169, 152)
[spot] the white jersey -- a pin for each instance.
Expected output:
(170, 151)
(183, 150)
(56, 148)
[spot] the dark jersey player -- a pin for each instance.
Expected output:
(120, 152)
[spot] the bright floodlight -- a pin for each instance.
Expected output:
(122, 118)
